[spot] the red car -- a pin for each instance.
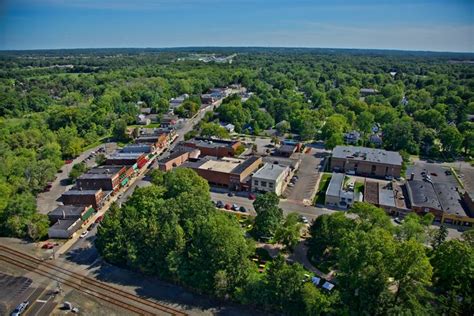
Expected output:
(99, 219)
(68, 161)
(227, 206)
(252, 196)
(48, 245)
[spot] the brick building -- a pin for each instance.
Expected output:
(214, 147)
(388, 196)
(368, 162)
(226, 172)
(71, 212)
(136, 159)
(83, 197)
(107, 178)
(179, 156)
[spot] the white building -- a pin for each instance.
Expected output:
(270, 178)
(64, 228)
(337, 195)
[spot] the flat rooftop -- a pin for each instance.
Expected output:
(335, 184)
(222, 165)
(367, 154)
(123, 155)
(81, 192)
(103, 172)
(270, 172)
(371, 192)
(422, 194)
(386, 196)
(210, 143)
(449, 198)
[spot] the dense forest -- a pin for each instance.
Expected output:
(53, 104)
(180, 236)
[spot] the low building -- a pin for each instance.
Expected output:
(84, 197)
(107, 178)
(229, 127)
(158, 140)
(139, 148)
(135, 159)
(388, 196)
(336, 194)
(439, 199)
(365, 161)
(168, 120)
(286, 150)
(270, 178)
(142, 119)
(209, 98)
(226, 172)
(71, 212)
(64, 228)
(179, 156)
(214, 147)
(352, 137)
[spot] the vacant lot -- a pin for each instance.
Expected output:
(320, 197)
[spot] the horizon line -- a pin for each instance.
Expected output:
(232, 46)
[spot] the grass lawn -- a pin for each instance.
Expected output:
(359, 187)
(320, 197)
(97, 143)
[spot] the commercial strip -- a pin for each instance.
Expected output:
(214, 147)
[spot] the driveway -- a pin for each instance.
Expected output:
(47, 201)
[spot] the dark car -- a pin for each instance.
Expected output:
(448, 172)
(252, 196)
(227, 206)
(20, 308)
(243, 209)
(220, 204)
(230, 194)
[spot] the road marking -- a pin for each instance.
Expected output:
(42, 301)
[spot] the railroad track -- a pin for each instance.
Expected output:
(86, 284)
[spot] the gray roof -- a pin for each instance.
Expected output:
(422, 194)
(386, 197)
(210, 143)
(367, 154)
(67, 210)
(244, 165)
(270, 172)
(66, 223)
(103, 172)
(449, 199)
(335, 184)
(287, 149)
(81, 192)
(125, 155)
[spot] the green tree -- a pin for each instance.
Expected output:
(212, 129)
(77, 170)
(451, 139)
(119, 131)
(289, 232)
(269, 215)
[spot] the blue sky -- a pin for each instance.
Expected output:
(438, 25)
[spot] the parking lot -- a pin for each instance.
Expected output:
(305, 186)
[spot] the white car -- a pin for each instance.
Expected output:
(84, 234)
(20, 308)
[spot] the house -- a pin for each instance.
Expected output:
(169, 120)
(214, 147)
(366, 161)
(176, 102)
(226, 172)
(270, 178)
(337, 195)
(107, 178)
(142, 119)
(179, 156)
(64, 228)
(229, 127)
(352, 137)
(157, 139)
(84, 197)
(367, 91)
(376, 140)
(71, 212)
(209, 98)
(440, 199)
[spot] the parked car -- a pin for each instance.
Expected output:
(227, 206)
(390, 178)
(351, 172)
(84, 234)
(68, 161)
(220, 204)
(291, 184)
(230, 194)
(252, 196)
(99, 219)
(398, 220)
(235, 207)
(448, 172)
(20, 308)
(243, 209)
(47, 245)
(304, 219)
